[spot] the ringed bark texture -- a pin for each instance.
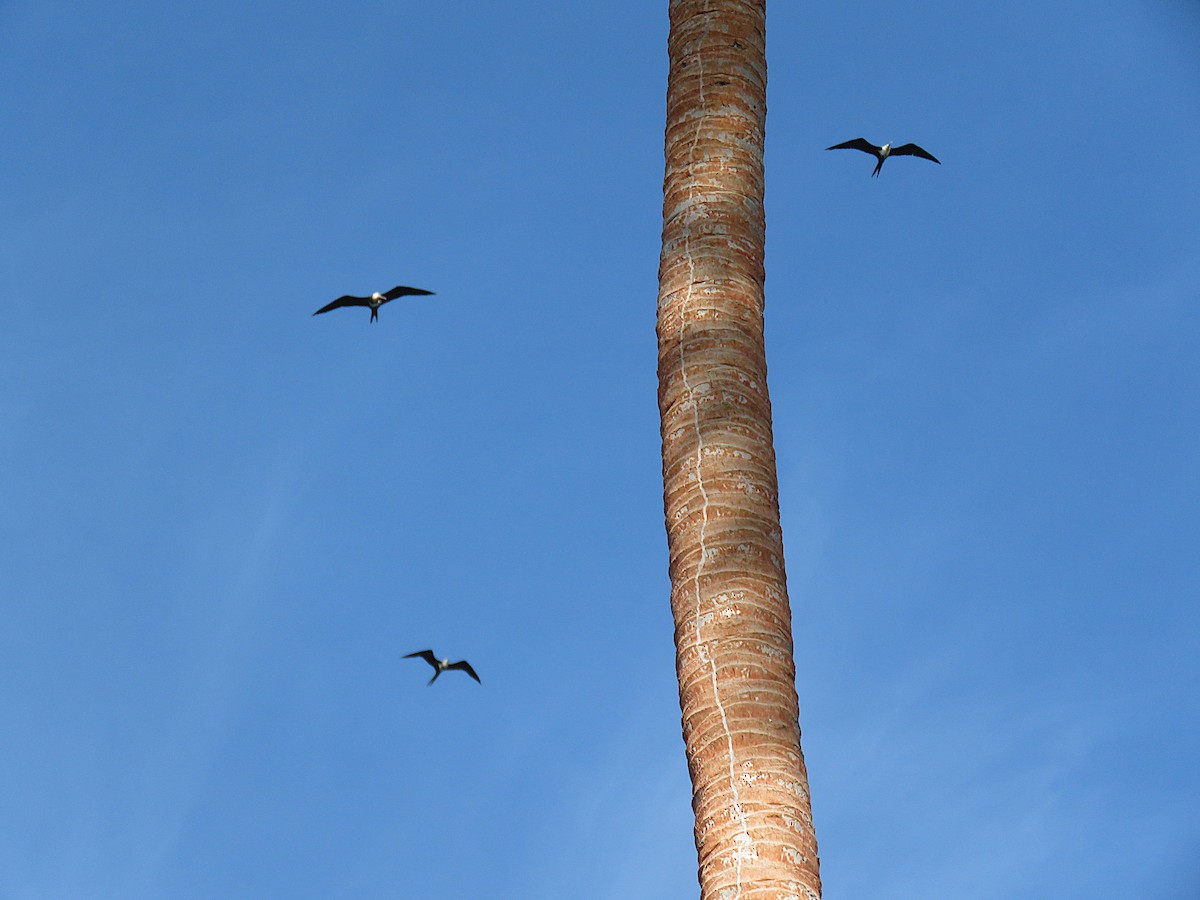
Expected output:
(733, 634)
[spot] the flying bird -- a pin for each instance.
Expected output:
(882, 153)
(441, 665)
(375, 301)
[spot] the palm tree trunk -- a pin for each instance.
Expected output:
(754, 834)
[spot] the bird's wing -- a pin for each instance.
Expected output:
(426, 655)
(402, 291)
(466, 667)
(347, 300)
(858, 144)
(914, 150)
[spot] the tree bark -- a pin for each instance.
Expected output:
(733, 639)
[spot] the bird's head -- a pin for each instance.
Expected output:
(887, 146)
(377, 296)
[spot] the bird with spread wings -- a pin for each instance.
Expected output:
(374, 301)
(882, 153)
(442, 665)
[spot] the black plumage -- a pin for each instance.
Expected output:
(882, 153)
(374, 301)
(442, 665)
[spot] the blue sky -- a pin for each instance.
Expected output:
(224, 521)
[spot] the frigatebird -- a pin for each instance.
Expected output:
(375, 301)
(441, 665)
(882, 153)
